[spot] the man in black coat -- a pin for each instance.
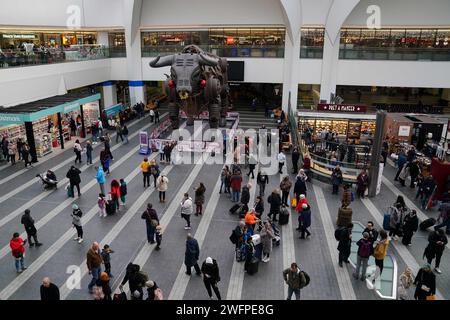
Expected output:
(437, 241)
(49, 291)
(245, 196)
(295, 158)
(74, 178)
(345, 243)
(211, 276)
(191, 255)
(30, 229)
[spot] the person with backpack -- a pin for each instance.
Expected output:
(237, 235)
(76, 222)
(106, 256)
(30, 229)
(145, 169)
(89, 152)
(77, 149)
(74, 178)
(365, 250)
(123, 191)
(275, 203)
(425, 283)
(437, 240)
(115, 193)
(199, 198)
(154, 171)
(305, 221)
(17, 245)
(153, 291)
(163, 184)
(136, 281)
(262, 179)
(187, 209)
(410, 226)
(151, 220)
(285, 187)
(94, 264)
(211, 277)
(344, 236)
(191, 255)
(379, 253)
(295, 280)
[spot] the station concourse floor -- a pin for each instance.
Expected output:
(125, 232)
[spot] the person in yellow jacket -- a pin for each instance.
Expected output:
(379, 253)
(145, 168)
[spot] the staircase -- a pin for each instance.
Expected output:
(249, 119)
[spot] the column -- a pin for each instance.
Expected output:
(30, 140)
(109, 94)
(83, 128)
(137, 92)
(291, 69)
(60, 129)
(102, 38)
(329, 67)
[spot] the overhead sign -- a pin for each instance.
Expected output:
(342, 107)
(71, 107)
(6, 118)
(18, 36)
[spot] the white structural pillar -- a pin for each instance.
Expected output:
(292, 15)
(338, 12)
(109, 94)
(132, 17)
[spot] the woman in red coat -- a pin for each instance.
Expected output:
(18, 251)
(115, 193)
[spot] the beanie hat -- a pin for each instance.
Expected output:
(209, 260)
(302, 196)
(74, 206)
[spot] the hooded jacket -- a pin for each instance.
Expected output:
(100, 176)
(211, 271)
(16, 244)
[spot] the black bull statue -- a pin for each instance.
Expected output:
(198, 81)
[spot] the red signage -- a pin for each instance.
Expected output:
(230, 40)
(342, 107)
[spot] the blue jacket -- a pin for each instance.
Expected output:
(100, 176)
(305, 217)
(401, 160)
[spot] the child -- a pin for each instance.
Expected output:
(106, 256)
(101, 205)
(158, 233)
(123, 191)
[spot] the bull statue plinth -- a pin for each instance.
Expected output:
(198, 81)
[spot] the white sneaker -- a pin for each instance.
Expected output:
(267, 260)
(76, 239)
(81, 240)
(187, 228)
(438, 270)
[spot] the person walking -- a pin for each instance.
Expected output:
(123, 191)
(94, 131)
(19, 145)
(89, 152)
(245, 196)
(379, 253)
(101, 202)
(295, 158)
(281, 160)
(101, 179)
(365, 250)
(136, 281)
(336, 179)
(106, 257)
(211, 277)
(12, 153)
(305, 221)
(154, 171)
(275, 203)
(395, 222)
(30, 229)
(94, 264)
(259, 207)
(77, 149)
(17, 245)
(145, 169)
(76, 222)
(437, 240)
(414, 171)
(104, 160)
(285, 187)
(362, 182)
(267, 235)
(156, 115)
(292, 277)
(158, 236)
(187, 209)
(236, 183)
(107, 143)
(223, 177)
(401, 161)
(199, 198)
(191, 255)
(406, 281)
(119, 132)
(49, 291)
(345, 243)
(425, 283)
(262, 179)
(153, 291)
(151, 221)
(26, 154)
(115, 193)
(161, 152)
(152, 115)
(162, 184)
(74, 179)
(125, 134)
(251, 166)
(104, 288)
(300, 185)
(410, 226)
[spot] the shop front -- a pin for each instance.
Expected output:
(46, 124)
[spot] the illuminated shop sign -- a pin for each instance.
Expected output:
(18, 36)
(342, 107)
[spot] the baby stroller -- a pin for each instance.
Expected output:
(48, 180)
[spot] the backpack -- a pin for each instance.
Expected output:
(338, 233)
(365, 249)
(17, 253)
(158, 294)
(304, 279)
(142, 278)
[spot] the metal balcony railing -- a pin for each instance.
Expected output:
(407, 54)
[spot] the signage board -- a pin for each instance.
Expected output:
(10, 118)
(342, 107)
(70, 107)
(403, 131)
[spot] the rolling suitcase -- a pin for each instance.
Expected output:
(234, 208)
(344, 216)
(253, 266)
(284, 216)
(110, 208)
(427, 223)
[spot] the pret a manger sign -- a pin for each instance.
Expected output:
(342, 107)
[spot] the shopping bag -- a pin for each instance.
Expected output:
(431, 297)
(294, 202)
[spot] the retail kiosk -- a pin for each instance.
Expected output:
(44, 124)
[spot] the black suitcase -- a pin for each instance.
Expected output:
(235, 208)
(284, 216)
(110, 208)
(427, 223)
(252, 267)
